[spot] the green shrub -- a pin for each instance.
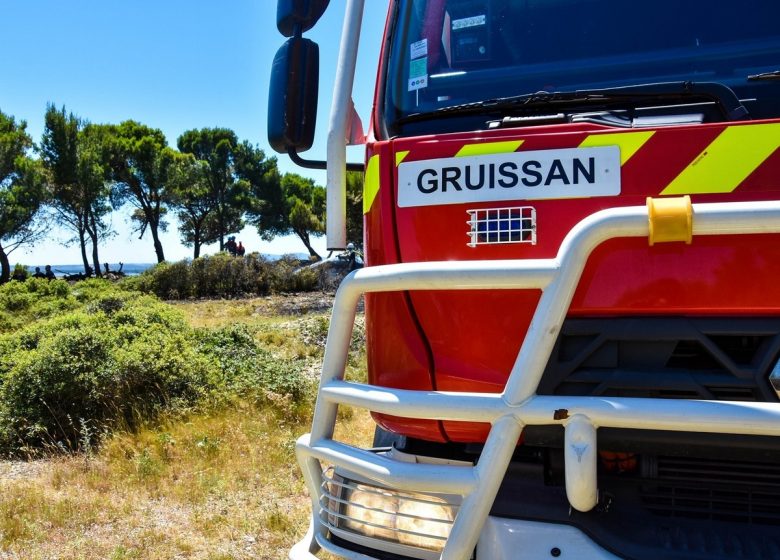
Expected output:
(20, 273)
(77, 361)
(22, 302)
(224, 276)
(246, 369)
(115, 363)
(287, 275)
(168, 280)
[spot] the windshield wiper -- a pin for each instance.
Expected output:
(723, 95)
(665, 91)
(774, 75)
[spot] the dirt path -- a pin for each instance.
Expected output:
(15, 470)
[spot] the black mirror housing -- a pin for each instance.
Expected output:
(292, 100)
(303, 13)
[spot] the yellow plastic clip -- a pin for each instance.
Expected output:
(670, 219)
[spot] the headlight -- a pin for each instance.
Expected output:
(407, 518)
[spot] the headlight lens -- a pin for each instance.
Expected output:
(408, 518)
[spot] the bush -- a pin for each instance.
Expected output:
(22, 302)
(121, 359)
(224, 276)
(92, 357)
(246, 369)
(287, 275)
(20, 273)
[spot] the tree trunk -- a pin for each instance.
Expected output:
(153, 219)
(95, 260)
(196, 243)
(305, 238)
(5, 267)
(93, 236)
(158, 248)
(83, 247)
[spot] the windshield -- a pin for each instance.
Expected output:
(446, 53)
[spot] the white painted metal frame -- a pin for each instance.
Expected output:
(518, 405)
(341, 111)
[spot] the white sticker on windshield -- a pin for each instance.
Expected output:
(463, 23)
(418, 83)
(418, 49)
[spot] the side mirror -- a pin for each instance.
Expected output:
(304, 13)
(292, 102)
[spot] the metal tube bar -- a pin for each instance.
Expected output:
(736, 218)
(312, 476)
(453, 275)
(580, 460)
(468, 407)
(551, 309)
(490, 470)
(727, 417)
(438, 275)
(443, 479)
(340, 112)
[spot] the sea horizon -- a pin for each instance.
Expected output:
(129, 269)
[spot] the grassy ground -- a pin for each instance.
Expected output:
(218, 485)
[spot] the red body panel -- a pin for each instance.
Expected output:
(472, 338)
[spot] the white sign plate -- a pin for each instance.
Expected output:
(532, 175)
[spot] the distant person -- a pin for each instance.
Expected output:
(240, 250)
(350, 255)
(38, 273)
(231, 246)
(49, 273)
(105, 265)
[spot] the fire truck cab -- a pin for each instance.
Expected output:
(572, 219)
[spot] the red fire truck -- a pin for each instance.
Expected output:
(571, 214)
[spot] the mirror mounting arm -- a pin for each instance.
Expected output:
(319, 164)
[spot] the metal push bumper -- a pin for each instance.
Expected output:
(518, 405)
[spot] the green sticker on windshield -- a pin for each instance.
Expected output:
(418, 68)
(418, 73)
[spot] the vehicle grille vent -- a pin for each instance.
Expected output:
(501, 225)
(714, 490)
(675, 358)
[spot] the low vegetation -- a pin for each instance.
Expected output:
(178, 421)
(223, 276)
(93, 358)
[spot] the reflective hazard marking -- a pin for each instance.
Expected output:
(728, 160)
(370, 183)
(485, 148)
(400, 156)
(629, 142)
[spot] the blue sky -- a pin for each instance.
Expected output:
(173, 65)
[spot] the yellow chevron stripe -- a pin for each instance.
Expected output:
(400, 156)
(487, 148)
(628, 142)
(728, 160)
(370, 183)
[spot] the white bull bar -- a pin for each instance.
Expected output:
(518, 405)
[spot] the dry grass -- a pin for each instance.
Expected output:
(217, 486)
